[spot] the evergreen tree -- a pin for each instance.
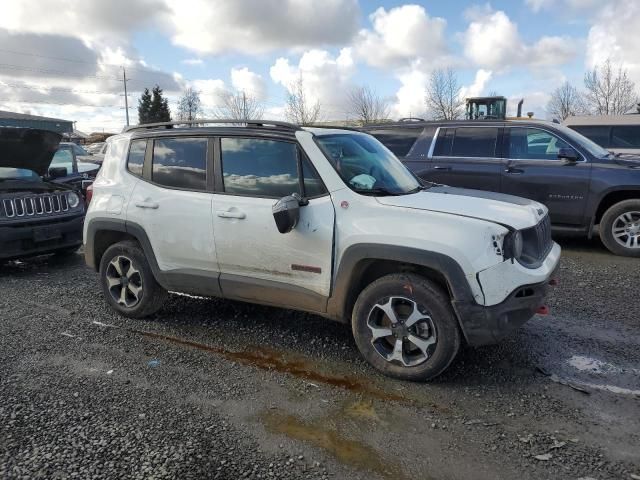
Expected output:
(144, 107)
(159, 111)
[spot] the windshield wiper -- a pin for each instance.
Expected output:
(376, 191)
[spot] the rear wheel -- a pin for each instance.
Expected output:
(405, 327)
(128, 282)
(620, 228)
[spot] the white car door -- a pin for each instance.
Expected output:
(256, 261)
(172, 205)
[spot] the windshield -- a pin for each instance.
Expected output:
(366, 165)
(593, 148)
(7, 173)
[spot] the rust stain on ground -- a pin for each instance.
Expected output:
(269, 359)
(349, 452)
(362, 409)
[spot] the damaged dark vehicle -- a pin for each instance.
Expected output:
(37, 214)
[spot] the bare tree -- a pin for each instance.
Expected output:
(565, 101)
(443, 95)
(189, 105)
(610, 91)
(239, 106)
(299, 109)
(367, 106)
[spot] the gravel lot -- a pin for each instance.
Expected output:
(219, 389)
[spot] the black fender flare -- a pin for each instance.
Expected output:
(357, 257)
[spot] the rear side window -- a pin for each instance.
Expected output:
(398, 141)
(135, 161)
(475, 142)
(597, 134)
(180, 163)
(443, 143)
(259, 167)
(625, 136)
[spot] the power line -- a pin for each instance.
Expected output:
(58, 72)
(57, 89)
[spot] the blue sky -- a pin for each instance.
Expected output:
(517, 48)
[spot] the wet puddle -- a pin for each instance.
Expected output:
(268, 359)
(349, 452)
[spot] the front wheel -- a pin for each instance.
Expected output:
(620, 228)
(405, 327)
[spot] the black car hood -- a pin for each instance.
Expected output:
(28, 148)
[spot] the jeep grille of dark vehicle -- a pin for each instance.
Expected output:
(34, 205)
(537, 243)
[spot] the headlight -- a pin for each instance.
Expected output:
(513, 245)
(73, 199)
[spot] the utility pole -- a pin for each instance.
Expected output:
(126, 98)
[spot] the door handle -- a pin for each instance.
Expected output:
(152, 205)
(439, 167)
(514, 171)
(230, 214)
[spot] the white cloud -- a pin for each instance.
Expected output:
(84, 19)
(410, 97)
(243, 79)
(254, 27)
(492, 41)
(615, 35)
(537, 5)
(400, 36)
(210, 91)
(476, 89)
(325, 78)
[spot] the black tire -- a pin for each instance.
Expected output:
(607, 224)
(151, 295)
(431, 300)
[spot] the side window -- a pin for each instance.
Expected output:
(135, 161)
(313, 186)
(534, 144)
(399, 141)
(180, 163)
(475, 142)
(259, 167)
(599, 135)
(443, 143)
(627, 136)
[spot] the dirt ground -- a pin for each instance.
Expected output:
(220, 389)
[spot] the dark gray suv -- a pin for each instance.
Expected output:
(581, 183)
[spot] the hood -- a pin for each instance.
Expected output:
(629, 161)
(28, 148)
(507, 210)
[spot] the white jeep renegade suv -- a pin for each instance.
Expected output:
(322, 220)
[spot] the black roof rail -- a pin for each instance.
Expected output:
(334, 127)
(248, 123)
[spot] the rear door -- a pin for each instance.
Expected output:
(533, 170)
(467, 157)
(172, 202)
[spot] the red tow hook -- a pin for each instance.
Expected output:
(543, 310)
(554, 282)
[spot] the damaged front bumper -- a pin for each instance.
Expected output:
(506, 309)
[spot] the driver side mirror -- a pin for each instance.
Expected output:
(568, 154)
(286, 213)
(58, 172)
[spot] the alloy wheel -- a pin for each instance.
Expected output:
(124, 281)
(402, 331)
(626, 229)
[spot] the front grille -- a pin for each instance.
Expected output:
(537, 243)
(34, 205)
